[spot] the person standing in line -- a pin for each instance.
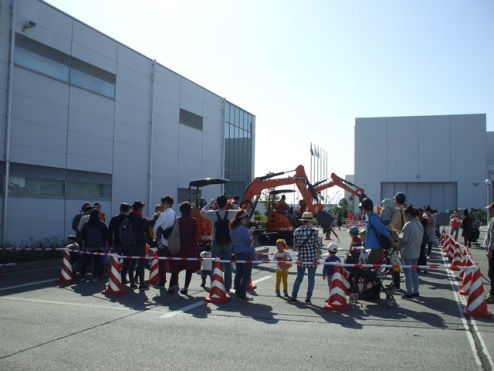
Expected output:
(94, 239)
(430, 229)
(489, 244)
(84, 218)
(241, 238)
(114, 237)
(327, 272)
(410, 242)
(374, 228)
(162, 229)
(282, 256)
(102, 215)
(395, 226)
(466, 226)
(422, 218)
(454, 223)
(188, 249)
(77, 220)
(138, 248)
(221, 244)
(308, 244)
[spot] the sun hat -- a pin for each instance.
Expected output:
(307, 217)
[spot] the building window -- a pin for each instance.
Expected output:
(88, 190)
(43, 59)
(20, 185)
(190, 119)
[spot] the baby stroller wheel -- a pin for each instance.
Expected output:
(390, 302)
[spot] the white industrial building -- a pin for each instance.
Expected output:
(443, 161)
(85, 118)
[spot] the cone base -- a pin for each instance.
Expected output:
(485, 314)
(110, 292)
(337, 307)
(463, 292)
(251, 288)
(217, 300)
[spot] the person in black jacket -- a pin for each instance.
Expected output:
(138, 247)
(94, 236)
(466, 226)
(114, 229)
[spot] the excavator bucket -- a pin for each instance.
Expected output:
(325, 220)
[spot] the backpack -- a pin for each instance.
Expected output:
(222, 230)
(174, 239)
(94, 238)
(126, 233)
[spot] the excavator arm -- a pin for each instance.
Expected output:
(342, 183)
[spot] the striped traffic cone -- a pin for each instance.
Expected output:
(250, 286)
(217, 293)
(451, 251)
(154, 277)
(337, 295)
(445, 243)
(66, 274)
(115, 286)
(457, 257)
(465, 255)
(467, 277)
(476, 305)
(346, 283)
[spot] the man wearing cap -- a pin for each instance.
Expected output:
(308, 244)
(162, 229)
(489, 244)
(395, 227)
(138, 248)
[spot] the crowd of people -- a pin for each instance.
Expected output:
(397, 234)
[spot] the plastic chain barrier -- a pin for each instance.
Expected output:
(7, 264)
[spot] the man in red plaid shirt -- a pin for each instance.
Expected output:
(307, 242)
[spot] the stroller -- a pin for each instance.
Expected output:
(365, 283)
(475, 234)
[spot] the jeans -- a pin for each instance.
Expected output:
(300, 276)
(411, 277)
(224, 252)
(454, 231)
(242, 274)
(204, 275)
(138, 249)
(174, 279)
(162, 266)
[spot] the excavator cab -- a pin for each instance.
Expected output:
(204, 225)
(280, 223)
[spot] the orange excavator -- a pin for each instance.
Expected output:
(335, 180)
(281, 224)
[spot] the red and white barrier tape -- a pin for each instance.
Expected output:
(7, 264)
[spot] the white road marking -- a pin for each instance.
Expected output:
(27, 284)
(261, 279)
(69, 303)
(184, 309)
(461, 304)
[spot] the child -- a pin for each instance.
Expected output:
(387, 211)
(354, 234)
(327, 272)
(361, 234)
(206, 267)
(282, 268)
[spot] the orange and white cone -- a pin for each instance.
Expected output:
(115, 286)
(66, 274)
(467, 277)
(446, 242)
(346, 283)
(457, 258)
(154, 277)
(337, 295)
(443, 235)
(217, 293)
(476, 305)
(451, 251)
(465, 255)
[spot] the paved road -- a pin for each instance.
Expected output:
(43, 326)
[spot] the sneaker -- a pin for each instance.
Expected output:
(307, 301)
(203, 285)
(171, 291)
(277, 293)
(407, 296)
(286, 293)
(143, 287)
(133, 285)
(416, 295)
(293, 301)
(160, 285)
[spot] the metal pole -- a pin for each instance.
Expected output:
(8, 124)
(151, 135)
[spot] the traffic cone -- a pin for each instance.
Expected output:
(476, 305)
(337, 295)
(154, 277)
(451, 251)
(115, 286)
(217, 293)
(346, 283)
(465, 256)
(467, 277)
(250, 286)
(456, 262)
(66, 273)
(443, 235)
(445, 243)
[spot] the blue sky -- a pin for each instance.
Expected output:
(306, 69)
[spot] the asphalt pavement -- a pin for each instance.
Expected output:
(45, 326)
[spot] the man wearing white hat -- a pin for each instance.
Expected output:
(307, 242)
(489, 244)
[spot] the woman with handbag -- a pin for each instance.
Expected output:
(188, 248)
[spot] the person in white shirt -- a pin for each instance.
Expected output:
(221, 244)
(162, 229)
(206, 267)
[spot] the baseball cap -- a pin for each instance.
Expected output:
(138, 205)
(333, 247)
(400, 197)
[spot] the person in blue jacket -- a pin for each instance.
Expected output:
(374, 228)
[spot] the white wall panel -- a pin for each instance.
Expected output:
(131, 154)
(434, 148)
(133, 98)
(131, 116)
(134, 80)
(90, 56)
(35, 85)
(131, 135)
(190, 135)
(34, 110)
(489, 147)
(86, 163)
(165, 144)
(95, 41)
(191, 89)
(86, 123)
(402, 140)
(166, 94)
(167, 112)
(133, 60)
(124, 172)
(34, 156)
(89, 102)
(90, 146)
(191, 104)
(31, 135)
(168, 77)
(4, 21)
